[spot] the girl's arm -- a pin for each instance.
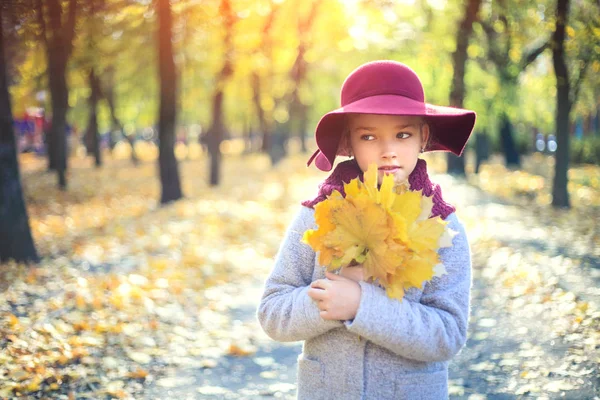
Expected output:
(434, 329)
(286, 313)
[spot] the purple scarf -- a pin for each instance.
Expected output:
(418, 180)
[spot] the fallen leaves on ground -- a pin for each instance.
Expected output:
(543, 339)
(532, 184)
(535, 321)
(127, 287)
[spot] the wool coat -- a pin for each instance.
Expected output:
(391, 349)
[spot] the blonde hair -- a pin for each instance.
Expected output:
(344, 146)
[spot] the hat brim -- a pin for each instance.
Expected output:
(450, 127)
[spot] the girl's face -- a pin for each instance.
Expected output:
(393, 142)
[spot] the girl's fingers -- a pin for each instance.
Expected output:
(334, 277)
(316, 294)
(320, 305)
(321, 284)
(324, 315)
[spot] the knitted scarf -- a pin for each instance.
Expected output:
(418, 180)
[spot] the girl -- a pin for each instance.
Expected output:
(359, 343)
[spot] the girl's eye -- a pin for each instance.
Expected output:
(367, 137)
(403, 135)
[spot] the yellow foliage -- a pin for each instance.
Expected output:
(386, 229)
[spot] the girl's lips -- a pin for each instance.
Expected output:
(389, 169)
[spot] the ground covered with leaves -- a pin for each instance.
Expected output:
(134, 300)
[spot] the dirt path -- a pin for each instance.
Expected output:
(534, 330)
(534, 323)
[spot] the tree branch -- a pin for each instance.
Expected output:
(306, 24)
(577, 84)
(507, 32)
(483, 62)
(494, 54)
(531, 55)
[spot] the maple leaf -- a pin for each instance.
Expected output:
(386, 229)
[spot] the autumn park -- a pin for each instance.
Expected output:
(153, 154)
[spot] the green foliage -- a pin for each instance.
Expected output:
(586, 150)
(524, 142)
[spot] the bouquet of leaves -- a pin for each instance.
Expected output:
(388, 230)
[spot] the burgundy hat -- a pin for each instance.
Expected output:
(390, 87)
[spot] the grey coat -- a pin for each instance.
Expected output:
(392, 349)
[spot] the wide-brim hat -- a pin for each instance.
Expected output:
(393, 88)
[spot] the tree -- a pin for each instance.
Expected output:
(299, 110)
(16, 241)
(92, 128)
(281, 111)
(92, 10)
(456, 165)
(263, 53)
(567, 91)
(57, 36)
(216, 131)
(504, 31)
(97, 58)
(560, 193)
(169, 169)
(109, 94)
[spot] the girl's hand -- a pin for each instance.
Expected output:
(354, 273)
(337, 297)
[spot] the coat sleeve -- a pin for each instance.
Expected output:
(286, 313)
(435, 328)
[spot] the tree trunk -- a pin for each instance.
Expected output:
(248, 147)
(560, 193)
(507, 138)
(215, 137)
(265, 127)
(279, 141)
(456, 165)
(500, 48)
(109, 95)
(298, 110)
(50, 146)
(216, 132)
(266, 49)
(16, 241)
(482, 149)
(58, 48)
(92, 130)
(303, 126)
(58, 126)
(169, 169)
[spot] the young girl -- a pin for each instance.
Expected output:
(359, 343)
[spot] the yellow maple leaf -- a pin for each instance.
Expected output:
(426, 234)
(384, 228)
(408, 204)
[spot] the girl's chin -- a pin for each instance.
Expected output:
(399, 176)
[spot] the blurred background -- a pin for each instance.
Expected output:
(261, 73)
(153, 152)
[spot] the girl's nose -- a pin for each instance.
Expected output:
(388, 151)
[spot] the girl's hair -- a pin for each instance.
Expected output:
(344, 147)
(429, 139)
